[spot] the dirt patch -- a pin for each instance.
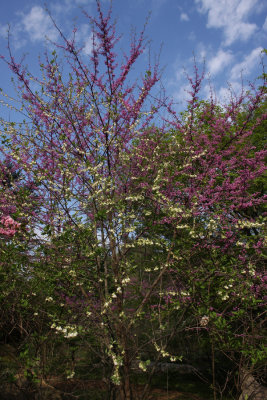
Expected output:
(55, 388)
(161, 394)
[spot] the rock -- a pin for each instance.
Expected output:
(166, 366)
(251, 389)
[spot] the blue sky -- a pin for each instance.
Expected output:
(228, 34)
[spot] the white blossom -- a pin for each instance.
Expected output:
(204, 320)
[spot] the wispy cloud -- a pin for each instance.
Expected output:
(265, 25)
(67, 6)
(249, 62)
(192, 36)
(80, 2)
(88, 46)
(14, 31)
(84, 39)
(224, 94)
(3, 31)
(231, 16)
(219, 61)
(35, 24)
(184, 17)
(155, 5)
(38, 25)
(181, 95)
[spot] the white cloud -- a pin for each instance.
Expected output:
(38, 25)
(83, 31)
(68, 5)
(15, 34)
(265, 25)
(81, 2)
(85, 39)
(88, 46)
(246, 66)
(224, 94)
(3, 31)
(231, 16)
(201, 51)
(184, 17)
(181, 95)
(219, 61)
(192, 36)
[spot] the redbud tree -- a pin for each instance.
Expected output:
(142, 219)
(73, 150)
